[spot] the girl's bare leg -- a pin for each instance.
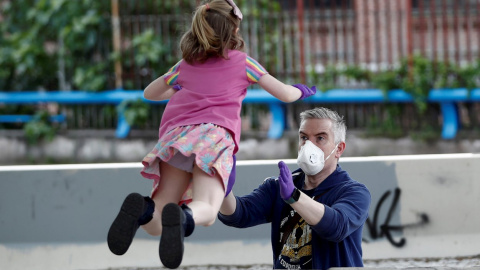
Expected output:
(179, 222)
(171, 188)
(208, 193)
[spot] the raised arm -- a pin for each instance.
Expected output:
(311, 210)
(249, 210)
(335, 222)
(285, 92)
(158, 90)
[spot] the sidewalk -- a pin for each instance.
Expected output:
(457, 251)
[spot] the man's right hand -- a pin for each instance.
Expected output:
(285, 181)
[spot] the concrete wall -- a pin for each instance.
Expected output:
(65, 204)
(85, 149)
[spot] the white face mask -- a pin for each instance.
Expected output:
(310, 158)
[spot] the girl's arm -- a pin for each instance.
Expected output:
(158, 90)
(278, 89)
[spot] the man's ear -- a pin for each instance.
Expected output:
(340, 148)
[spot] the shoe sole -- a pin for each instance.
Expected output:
(125, 225)
(171, 242)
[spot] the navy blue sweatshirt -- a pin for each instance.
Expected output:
(336, 239)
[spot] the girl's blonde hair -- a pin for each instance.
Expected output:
(213, 33)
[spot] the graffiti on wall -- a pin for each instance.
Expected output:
(385, 229)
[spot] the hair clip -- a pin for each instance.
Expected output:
(236, 10)
(208, 7)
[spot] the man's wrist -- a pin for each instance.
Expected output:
(295, 196)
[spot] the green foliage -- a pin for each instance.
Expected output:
(256, 7)
(129, 7)
(149, 51)
(135, 111)
(55, 44)
(90, 78)
(41, 39)
(358, 74)
(419, 75)
(416, 76)
(148, 47)
(39, 129)
(63, 44)
(329, 77)
(260, 19)
(390, 126)
(427, 134)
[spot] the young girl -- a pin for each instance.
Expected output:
(199, 133)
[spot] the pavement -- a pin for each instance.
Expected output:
(448, 251)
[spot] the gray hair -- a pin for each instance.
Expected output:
(339, 128)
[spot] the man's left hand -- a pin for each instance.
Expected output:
(285, 181)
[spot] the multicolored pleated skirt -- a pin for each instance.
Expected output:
(207, 145)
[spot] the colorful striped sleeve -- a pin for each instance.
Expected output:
(254, 70)
(172, 75)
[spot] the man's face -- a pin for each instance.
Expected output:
(319, 132)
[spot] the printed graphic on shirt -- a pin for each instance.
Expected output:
(254, 70)
(296, 252)
(172, 74)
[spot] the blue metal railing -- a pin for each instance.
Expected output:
(23, 118)
(447, 98)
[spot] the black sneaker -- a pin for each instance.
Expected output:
(126, 223)
(171, 242)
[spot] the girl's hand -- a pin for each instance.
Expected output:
(306, 91)
(159, 90)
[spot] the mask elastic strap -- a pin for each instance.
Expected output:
(332, 151)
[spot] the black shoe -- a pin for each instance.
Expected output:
(171, 242)
(135, 210)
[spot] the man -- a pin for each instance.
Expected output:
(317, 212)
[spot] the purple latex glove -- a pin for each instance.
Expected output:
(231, 179)
(285, 181)
(306, 91)
(177, 87)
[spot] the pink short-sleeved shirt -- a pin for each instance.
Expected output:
(212, 92)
